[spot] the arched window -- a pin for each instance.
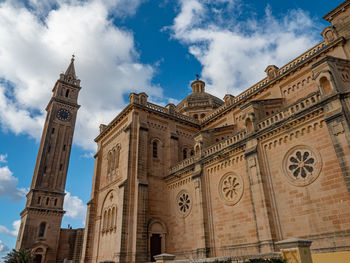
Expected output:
(184, 153)
(113, 218)
(67, 93)
(195, 116)
(155, 149)
(104, 220)
(249, 125)
(109, 162)
(326, 85)
(197, 149)
(42, 229)
(113, 159)
(109, 221)
(202, 115)
(116, 157)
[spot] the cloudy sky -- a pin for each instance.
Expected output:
(124, 46)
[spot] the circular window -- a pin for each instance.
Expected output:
(184, 203)
(231, 188)
(302, 165)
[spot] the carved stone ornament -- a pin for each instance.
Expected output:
(231, 188)
(184, 203)
(301, 165)
(271, 71)
(329, 34)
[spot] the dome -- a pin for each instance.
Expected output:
(199, 103)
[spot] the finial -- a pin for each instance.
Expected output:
(197, 76)
(73, 57)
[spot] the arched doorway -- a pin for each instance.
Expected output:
(39, 255)
(156, 238)
(155, 246)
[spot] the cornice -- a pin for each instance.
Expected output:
(340, 8)
(130, 107)
(299, 65)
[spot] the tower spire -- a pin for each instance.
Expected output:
(69, 76)
(71, 70)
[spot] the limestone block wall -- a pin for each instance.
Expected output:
(315, 207)
(50, 237)
(70, 244)
(184, 220)
(111, 167)
(229, 207)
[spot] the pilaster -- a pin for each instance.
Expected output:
(202, 246)
(259, 199)
(142, 195)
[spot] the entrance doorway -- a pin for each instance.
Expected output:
(156, 246)
(38, 258)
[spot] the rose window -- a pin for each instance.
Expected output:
(231, 188)
(302, 165)
(184, 203)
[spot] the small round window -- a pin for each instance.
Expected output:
(184, 203)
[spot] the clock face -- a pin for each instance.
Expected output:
(64, 115)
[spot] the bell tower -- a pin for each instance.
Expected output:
(42, 215)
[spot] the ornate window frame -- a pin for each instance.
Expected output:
(231, 188)
(297, 158)
(184, 203)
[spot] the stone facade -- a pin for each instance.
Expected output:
(216, 178)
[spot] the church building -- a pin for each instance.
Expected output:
(209, 177)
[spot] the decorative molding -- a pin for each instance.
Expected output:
(231, 188)
(184, 134)
(285, 133)
(157, 126)
(183, 203)
(179, 183)
(337, 128)
(297, 86)
(227, 163)
(301, 165)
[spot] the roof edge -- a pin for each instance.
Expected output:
(329, 16)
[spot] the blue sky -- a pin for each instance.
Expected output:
(125, 46)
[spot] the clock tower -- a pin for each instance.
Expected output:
(41, 218)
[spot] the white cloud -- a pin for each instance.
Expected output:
(3, 249)
(235, 53)
(3, 158)
(35, 46)
(14, 232)
(74, 207)
(8, 185)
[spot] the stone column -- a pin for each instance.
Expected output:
(199, 198)
(296, 250)
(340, 134)
(258, 197)
(141, 195)
(87, 248)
